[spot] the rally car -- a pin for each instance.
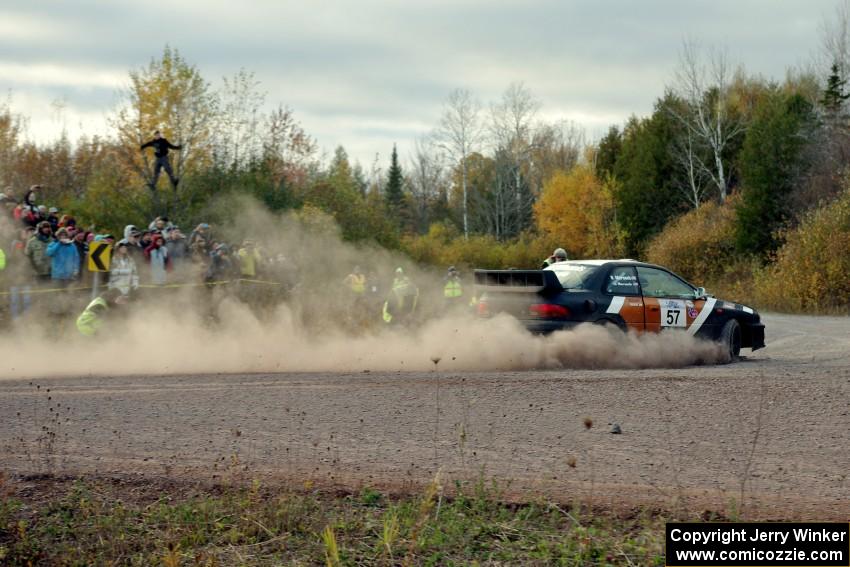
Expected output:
(628, 294)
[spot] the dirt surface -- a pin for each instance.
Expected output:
(768, 434)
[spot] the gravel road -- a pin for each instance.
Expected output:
(768, 434)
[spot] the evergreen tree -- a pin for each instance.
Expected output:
(772, 163)
(610, 147)
(645, 193)
(394, 192)
(834, 95)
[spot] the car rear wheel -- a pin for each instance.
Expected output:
(611, 324)
(730, 338)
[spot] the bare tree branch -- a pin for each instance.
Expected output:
(512, 131)
(426, 176)
(835, 41)
(706, 114)
(458, 134)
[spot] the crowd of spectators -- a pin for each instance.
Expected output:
(48, 250)
(46, 262)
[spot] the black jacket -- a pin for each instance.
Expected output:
(160, 146)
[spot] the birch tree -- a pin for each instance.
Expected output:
(502, 209)
(704, 86)
(240, 121)
(512, 130)
(692, 178)
(512, 123)
(459, 134)
(835, 42)
(687, 153)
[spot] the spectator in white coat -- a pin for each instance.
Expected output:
(123, 274)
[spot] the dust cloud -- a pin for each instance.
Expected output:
(307, 328)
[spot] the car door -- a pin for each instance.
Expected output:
(669, 301)
(621, 285)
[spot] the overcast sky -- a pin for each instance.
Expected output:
(367, 73)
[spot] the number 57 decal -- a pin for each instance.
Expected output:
(673, 313)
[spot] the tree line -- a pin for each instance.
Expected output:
(487, 175)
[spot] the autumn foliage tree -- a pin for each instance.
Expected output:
(169, 95)
(10, 134)
(576, 210)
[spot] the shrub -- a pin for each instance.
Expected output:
(445, 246)
(812, 269)
(699, 245)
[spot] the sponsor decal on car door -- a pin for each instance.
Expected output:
(663, 313)
(670, 301)
(702, 309)
(626, 301)
(630, 309)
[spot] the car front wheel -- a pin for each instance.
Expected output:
(730, 338)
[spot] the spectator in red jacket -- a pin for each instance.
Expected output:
(157, 257)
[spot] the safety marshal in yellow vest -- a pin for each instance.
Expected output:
(401, 302)
(94, 315)
(452, 289)
(356, 281)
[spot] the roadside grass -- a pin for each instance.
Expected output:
(103, 522)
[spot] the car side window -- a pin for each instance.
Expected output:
(658, 283)
(622, 281)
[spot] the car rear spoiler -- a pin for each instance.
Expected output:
(520, 281)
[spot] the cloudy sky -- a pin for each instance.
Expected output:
(367, 73)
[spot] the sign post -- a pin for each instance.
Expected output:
(100, 255)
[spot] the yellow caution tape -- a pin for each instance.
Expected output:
(196, 284)
(258, 281)
(32, 289)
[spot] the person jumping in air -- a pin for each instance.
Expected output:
(161, 147)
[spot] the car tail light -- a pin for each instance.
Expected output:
(483, 308)
(549, 310)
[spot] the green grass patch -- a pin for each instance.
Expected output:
(100, 522)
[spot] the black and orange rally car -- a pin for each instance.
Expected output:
(629, 294)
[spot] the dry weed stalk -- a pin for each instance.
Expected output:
(331, 548)
(389, 534)
(745, 473)
(434, 490)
